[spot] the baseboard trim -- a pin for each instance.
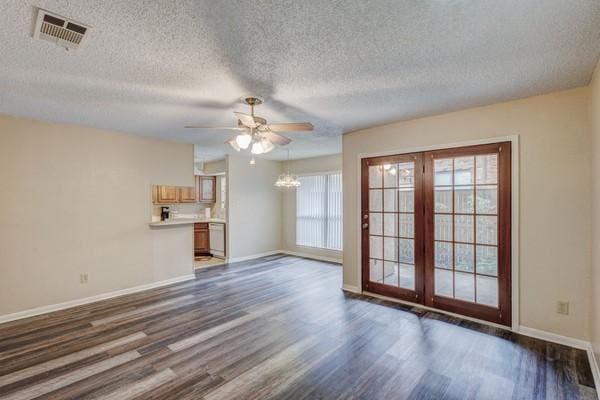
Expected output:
(595, 369)
(351, 289)
(254, 256)
(553, 337)
(313, 256)
(87, 300)
(523, 330)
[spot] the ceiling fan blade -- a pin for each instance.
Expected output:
(219, 128)
(291, 127)
(246, 119)
(233, 144)
(277, 139)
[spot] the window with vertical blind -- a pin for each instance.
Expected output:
(319, 211)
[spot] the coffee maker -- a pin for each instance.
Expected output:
(164, 213)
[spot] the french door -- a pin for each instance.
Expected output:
(436, 229)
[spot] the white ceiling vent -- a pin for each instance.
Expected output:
(60, 30)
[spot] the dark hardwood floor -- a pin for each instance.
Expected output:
(275, 328)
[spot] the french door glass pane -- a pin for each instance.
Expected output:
(390, 224)
(463, 199)
(376, 225)
(443, 172)
(487, 260)
(487, 199)
(407, 251)
(406, 174)
(463, 228)
(443, 199)
(375, 203)
(407, 276)
(465, 257)
(376, 270)
(406, 200)
(464, 286)
(444, 283)
(487, 290)
(376, 247)
(443, 227)
(375, 177)
(464, 170)
(390, 200)
(443, 255)
(406, 225)
(390, 249)
(390, 273)
(487, 169)
(390, 176)
(487, 230)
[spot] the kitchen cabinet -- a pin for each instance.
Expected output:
(201, 239)
(165, 194)
(187, 195)
(206, 186)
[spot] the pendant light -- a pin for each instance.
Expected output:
(287, 180)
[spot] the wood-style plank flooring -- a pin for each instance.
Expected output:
(275, 328)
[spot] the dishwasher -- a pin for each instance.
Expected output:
(217, 239)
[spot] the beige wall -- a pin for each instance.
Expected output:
(595, 117)
(555, 196)
(78, 201)
(254, 207)
(216, 210)
(305, 166)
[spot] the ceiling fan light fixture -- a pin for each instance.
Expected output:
(257, 148)
(243, 140)
(267, 145)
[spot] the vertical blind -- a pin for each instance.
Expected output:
(319, 211)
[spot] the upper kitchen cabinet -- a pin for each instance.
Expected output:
(206, 189)
(165, 194)
(187, 195)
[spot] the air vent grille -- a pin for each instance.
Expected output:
(62, 31)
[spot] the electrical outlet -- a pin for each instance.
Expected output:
(562, 307)
(83, 278)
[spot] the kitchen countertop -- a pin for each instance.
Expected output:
(185, 221)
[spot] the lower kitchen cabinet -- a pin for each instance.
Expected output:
(201, 239)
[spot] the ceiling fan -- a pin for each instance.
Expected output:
(257, 134)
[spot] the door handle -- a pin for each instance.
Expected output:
(365, 225)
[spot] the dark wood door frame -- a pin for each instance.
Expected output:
(424, 244)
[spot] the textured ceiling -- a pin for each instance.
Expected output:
(151, 67)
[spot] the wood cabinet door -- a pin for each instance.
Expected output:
(201, 239)
(187, 194)
(167, 194)
(206, 189)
